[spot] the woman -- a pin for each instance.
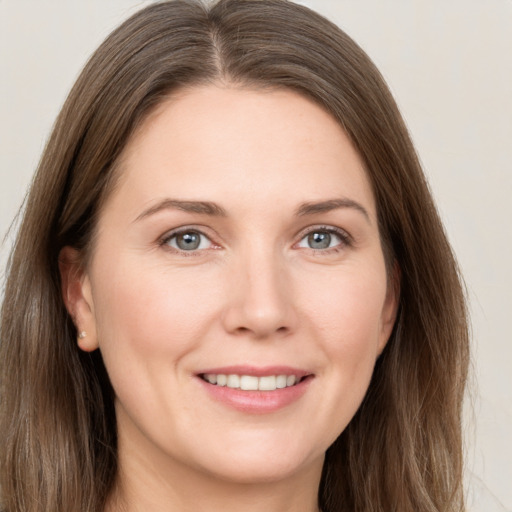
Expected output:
(231, 286)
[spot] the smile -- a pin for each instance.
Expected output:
(253, 389)
(252, 382)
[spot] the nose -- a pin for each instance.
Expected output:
(260, 298)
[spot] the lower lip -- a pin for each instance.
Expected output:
(257, 402)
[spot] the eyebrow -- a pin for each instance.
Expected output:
(329, 205)
(202, 207)
(215, 210)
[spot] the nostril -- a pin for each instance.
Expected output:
(259, 315)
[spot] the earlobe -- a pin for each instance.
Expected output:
(390, 309)
(76, 292)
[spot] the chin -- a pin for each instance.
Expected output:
(257, 464)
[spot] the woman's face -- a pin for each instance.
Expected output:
(239, 248)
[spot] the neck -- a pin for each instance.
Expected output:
(214, 497)
(142, 485)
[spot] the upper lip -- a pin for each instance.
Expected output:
(256, 371)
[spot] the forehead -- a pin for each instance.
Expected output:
(223, 143)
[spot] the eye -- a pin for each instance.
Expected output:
(324, 238)
(189, 240)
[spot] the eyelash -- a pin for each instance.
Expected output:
(345, 239)
(165, 241)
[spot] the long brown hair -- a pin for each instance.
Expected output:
(402, 450)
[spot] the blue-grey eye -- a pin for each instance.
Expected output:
(189, 241)
(320, 239)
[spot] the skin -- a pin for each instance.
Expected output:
(254, 292)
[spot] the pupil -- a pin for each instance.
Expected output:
(188, 241)
(319, 240)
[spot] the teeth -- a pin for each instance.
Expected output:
(290, 380)
(281, 381)
(211, 378)
(267, 383)
(233, 381)
(251, 382)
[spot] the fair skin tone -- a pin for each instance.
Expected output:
(240, 239)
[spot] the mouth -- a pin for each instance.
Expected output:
(253, 382)
(256, 390)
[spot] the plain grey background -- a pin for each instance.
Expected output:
(449, 65)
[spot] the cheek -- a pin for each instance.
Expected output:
(148, 321)
(347, 305)
(345, 311)
(150, 312)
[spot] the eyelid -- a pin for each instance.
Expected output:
(163, 241)
(345, 237)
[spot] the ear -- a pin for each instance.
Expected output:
(390, 309)
(76, 292)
